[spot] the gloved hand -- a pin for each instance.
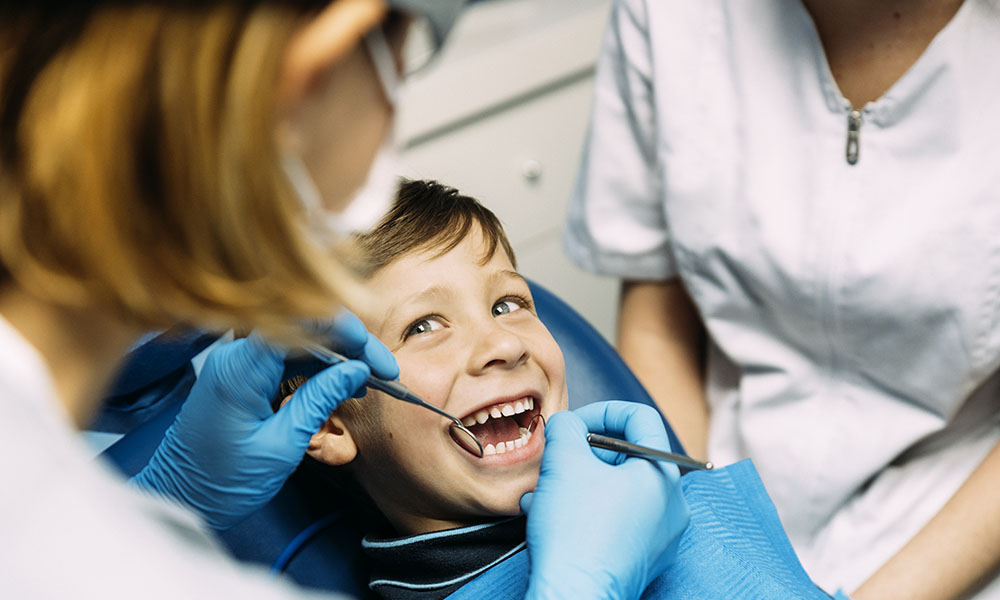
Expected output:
(600, 524)
(228, 453)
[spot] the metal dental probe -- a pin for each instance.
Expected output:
(398, 391)
(597, 440)
(616, 445)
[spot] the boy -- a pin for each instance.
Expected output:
(451, 306)
(459, 319)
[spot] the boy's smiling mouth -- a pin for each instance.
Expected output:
(504, 426)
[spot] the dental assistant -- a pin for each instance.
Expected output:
(165, 162)
(802, 199)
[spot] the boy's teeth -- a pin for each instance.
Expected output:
(508, 446)
(508, 409)
(500, 411)
(477, 419)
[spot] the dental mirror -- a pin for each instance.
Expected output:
(461, 434)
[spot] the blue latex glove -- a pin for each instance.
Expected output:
(602, 525)
(228, 453)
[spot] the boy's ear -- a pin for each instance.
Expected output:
(333, 443)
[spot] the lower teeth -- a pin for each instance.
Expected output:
(502, 447)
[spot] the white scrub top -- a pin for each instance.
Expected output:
(853, 310)
(70, 528)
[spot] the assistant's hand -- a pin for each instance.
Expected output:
(602, 525)
(228, 453)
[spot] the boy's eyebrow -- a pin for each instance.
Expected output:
(440, 292)
(508, 274)
(432, 292)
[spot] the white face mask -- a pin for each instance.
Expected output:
(375, 197)
(372, 200)
(369, 203)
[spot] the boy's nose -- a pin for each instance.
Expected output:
(496, 347)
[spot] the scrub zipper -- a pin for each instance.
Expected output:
(853, 134)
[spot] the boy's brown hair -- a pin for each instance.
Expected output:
(428, 215)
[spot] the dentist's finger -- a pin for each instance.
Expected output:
(245, 373)
(526, 499)
(312, 403)
(633, 422)
(349, 336)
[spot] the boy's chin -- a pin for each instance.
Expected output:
(507, 502)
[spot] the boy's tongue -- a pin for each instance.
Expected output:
(497, 431)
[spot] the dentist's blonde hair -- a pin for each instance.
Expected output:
(139, 171)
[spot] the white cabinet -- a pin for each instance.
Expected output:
(502, 117)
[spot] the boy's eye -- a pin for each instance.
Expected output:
(504, 307)
(423, 325)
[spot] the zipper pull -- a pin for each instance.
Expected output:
(853, 133)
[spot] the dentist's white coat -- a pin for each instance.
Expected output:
(70, 528)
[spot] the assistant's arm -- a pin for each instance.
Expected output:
(661, 337)
(955, 553)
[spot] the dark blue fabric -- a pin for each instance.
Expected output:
(131, 453)
(154, 377)
(734, 548)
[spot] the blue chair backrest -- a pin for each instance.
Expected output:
(594, 369)
(331, 558)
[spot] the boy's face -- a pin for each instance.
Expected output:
(467, 340)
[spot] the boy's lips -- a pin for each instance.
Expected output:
(505, 425)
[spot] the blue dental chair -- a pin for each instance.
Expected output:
(303, 532)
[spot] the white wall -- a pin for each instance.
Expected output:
(502, 117)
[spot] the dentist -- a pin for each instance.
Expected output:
(194, 162)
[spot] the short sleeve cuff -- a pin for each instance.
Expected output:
(658, 265)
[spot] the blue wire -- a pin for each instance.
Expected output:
(299, 541)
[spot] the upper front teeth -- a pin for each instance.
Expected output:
(506, 409)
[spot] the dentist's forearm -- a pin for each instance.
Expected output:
(661, 337)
